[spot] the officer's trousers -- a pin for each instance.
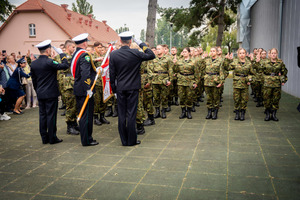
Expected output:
(48, 118)
(86, 121)
(127, 109)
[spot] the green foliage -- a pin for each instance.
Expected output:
(83, 7)
(143, 35)
(200, 13)
(5, 9)
(122, 29)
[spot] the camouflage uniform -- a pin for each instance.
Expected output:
(259, 80)
(199, 77)
(226, 73)
(140, 115)
(186, 75)
(147, 92)
(160, 71)
(274, 75)
(60, 77)
(242, 74)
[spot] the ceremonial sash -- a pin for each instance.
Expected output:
(75, 59)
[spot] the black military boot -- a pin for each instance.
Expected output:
(183, 113)
(237, 115)
(163, 113)
(267, 111)
(64, 113)
(115, 114)
(157, 113)
(197, 103)
(71, 129)
(221, 99)
(140, 129)
(109, 112)
(103, 120)
(149, 121)
(209, 114)
(168, 109)
(76, 126)
(215, 116)
(96, 120)
(274, 118)
(193, 109)
(242, 114)
(200, 98)
(189, 114)
(176, 101)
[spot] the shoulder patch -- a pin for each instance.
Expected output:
(87, 58)
(88, 81)
(55, 62)
(144, 48)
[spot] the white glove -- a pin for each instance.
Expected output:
(98, 68)
(115, 95)
(90, 93)
(137, 41)
(58, 50)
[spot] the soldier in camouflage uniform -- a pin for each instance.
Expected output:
(213, 80)
(160, 74)
(60, 76)
(99, 106)
(275, 76)
(242, 77)
(259, 79)
(226, 73)
(147, 94)
(67, 92)
(186, 74)
(140, 115)
(174, 92)
(170, 87)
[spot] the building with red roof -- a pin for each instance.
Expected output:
(38, 20)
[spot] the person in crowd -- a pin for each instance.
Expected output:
(275, 76)
(3, 115)
(125, 80)
(186, 75)
(31, 98)
(242, 77)
(161, 75)
(44, 79)
(14, 85)
(4, 57)
(11, 64)
(174, 82)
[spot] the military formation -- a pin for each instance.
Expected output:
(175, 78)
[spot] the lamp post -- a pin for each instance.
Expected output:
(171, 27)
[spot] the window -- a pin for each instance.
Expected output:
(32, 32)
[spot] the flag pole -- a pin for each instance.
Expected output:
(98, 73)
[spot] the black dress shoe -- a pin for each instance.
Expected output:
(93, 143)
(56, 141)
(17, 113)
(138, 142)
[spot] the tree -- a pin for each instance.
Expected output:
(151, 19)
(83, 7)
(199, 13)
(229, 40)
(5, 9)
(122, 29)
(142, 36)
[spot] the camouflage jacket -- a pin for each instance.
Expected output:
(200, 68)
(145, 75)
(97, 64)
(258, 67)
(242, 73)
(213, 71)
(161, 70)
(68, 79)
(186, 72)
(274, 73)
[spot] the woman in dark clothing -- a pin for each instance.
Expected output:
(14, 85)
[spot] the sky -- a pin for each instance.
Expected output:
(133, 13)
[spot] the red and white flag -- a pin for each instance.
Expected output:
(107, 91)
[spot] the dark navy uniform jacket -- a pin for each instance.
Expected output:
(124, 66)
(84, 74)
(15, 81)
(44, 76)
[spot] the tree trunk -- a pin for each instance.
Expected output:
(151, 19)
(220, 24)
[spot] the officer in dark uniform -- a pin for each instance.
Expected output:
(44, 78)
(125, 80)
(84, 72)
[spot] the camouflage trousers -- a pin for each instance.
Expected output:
(271, 97)
(160, 95)
(213, 96)
(240, 98)
(200, 88)
(258, 89)
(112, 101)
(148, 101)
(173, 90)
(140, 114)
(71, 109)
(99, 105)
(62, 91)
(221, 90)
(186, 96)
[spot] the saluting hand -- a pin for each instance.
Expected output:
(168, 83)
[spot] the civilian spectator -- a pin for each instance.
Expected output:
(11, 64)
(31, 98)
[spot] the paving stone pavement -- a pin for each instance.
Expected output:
(177, 159)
